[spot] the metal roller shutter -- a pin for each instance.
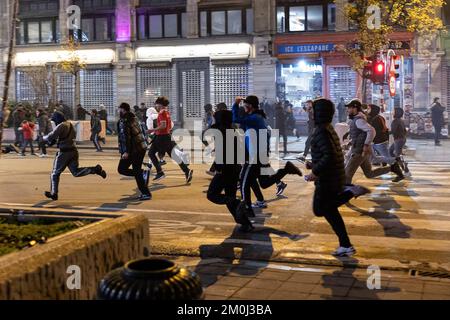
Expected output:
(98, 86)
(230, 81)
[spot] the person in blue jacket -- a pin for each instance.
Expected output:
(252, 120)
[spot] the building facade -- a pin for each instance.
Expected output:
(200, 51)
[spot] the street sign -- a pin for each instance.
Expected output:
(392, 79)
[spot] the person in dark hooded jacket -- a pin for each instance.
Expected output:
(328, 174)
(398, 130)
(67, 157)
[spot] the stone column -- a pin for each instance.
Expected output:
(63, 30)
(192, 19)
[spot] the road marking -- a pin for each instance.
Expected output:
(394, 211)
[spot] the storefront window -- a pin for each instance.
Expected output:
(281, 22)
(21, 36)
(234, 21)
(302, 81)
(297, 19)
(218, 22)
(155, 26)
(46, 31)
(184, 25)
(171, 25)
(315, 18)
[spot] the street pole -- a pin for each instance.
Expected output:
(9, 64)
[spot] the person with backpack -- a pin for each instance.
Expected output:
(437, 118)
(45, 127)
(67, 157)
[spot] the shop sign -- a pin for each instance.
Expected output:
(305, 48)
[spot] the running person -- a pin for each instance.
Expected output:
(64, 135)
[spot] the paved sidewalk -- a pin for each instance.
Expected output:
(258, 280)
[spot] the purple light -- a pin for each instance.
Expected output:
(123, 23)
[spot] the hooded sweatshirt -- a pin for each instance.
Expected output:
(251, 124)
(398, 127)
(152, 116)
(64, 133)
(379, 124)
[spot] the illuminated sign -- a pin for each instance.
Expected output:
(305, 48)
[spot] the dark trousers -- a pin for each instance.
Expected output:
(95, 139)
(307, 145)
(250, 173)
(25, 143)
(257, 191)
(437, 133)
(283, 134)
(135, 161)
(68, 159)
(224, 181)
(161, 145)
(18, 137)
(42, 144)
(334, 218)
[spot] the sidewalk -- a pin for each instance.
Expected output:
(258, 280)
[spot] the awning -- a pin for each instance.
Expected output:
(41, 58)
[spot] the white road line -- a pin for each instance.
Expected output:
(394, 212)
(118, 210)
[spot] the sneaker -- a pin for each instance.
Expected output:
(189, 176)
(99, 150)
(301, 159)
(144, 197)
(162, 162)
(358, 190)
(146, 175)
(99, 170)
(398, 178)
(280, 188)
(49, 195)
(242, 213)
(159, 176)
(260, 204)
(22, 154)
(43, 155)
(149, 166)
(343, 251)
(292, 169)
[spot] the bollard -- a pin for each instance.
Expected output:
(150, 279)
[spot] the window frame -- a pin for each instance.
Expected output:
(208, 11)
(287, 5)
(160, 12)
(110, 17)
(26, 21)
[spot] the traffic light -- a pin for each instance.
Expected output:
(379, 72)
(396, 66)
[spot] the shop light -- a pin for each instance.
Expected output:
(214, 51)
(40, 58)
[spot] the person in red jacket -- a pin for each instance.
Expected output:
(27, 129)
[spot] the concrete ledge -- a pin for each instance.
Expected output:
(40, 272)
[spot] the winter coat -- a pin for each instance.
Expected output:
(28, 130)
(18, 118)
(81, 113)
(130, 136)
(379, 123)
(437, 114)
(45, 126)
(398, 127)
(223, 121)
(96, 125)
(280, 119)
(327, 160)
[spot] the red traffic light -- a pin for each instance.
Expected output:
(379, 67)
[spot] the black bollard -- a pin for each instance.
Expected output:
(150, 279)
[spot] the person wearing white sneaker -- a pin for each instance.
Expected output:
(328, 174)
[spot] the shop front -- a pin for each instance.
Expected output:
(192, 76)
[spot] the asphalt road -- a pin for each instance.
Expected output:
(400, 225)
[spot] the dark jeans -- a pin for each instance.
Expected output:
(250, 173)
(28, 142)
(257, 191)
(42, 144)
(283, 134)
(18, 137)
(135, 161)
(308, 144)
(437, 133)
(95, 139)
